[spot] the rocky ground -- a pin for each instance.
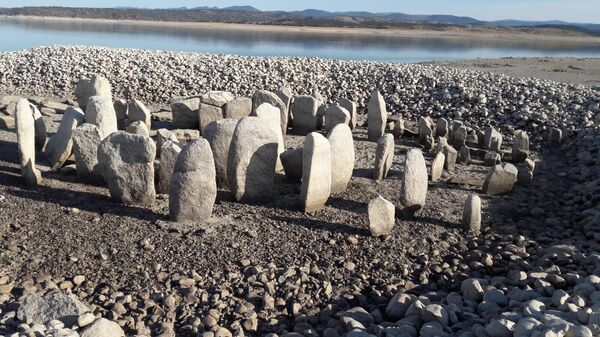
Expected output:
(270, 268)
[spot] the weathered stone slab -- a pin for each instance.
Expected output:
(451, 155)
(185, 136)
(472, 213)
(292, 163)
(271, 116)
(126, 161)
(285, 94)
(25, 128)
(437, 166)
(500, 179)
(193, 185)
(95, 86)
(86, 139)
(304, 110)
(264, 96)
(381, 216)
(208, 114)
(252, 160)
(342, 157)
(169, 152)
(137, 111)
(316, 172)
(60, 146)
(335, 115)
(100, 111)
(459, 137)
(425, 130)
(185, 113)
(377, 116)
(238, 108)
(219, 135)
(120, 106)
(350, 106)
(413, 191)
(384, 156)
(525, 175)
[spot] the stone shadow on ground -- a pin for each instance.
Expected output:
(314, 224)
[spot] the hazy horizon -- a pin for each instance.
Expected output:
(585, 11)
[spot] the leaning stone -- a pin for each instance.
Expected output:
(219, 135)
(451, 156)
(555, 137)
(335, 115)
(520, 149)
(41, 309)
(271, 116)
(384, 156)
(377, 116)
(163, 135)
(491, 158)
(464, 155)
(25, 128)
(185, 113)
(381, 217)
(441, 127)
(169, 152)
(208, 114)
(238, 108)
(398, 128)
(500, 179)
(137, 111)
(60, 146)
(86, 139)
(252, 160)
(342, 157)
(264, 96)
(472, 213)
(351, 108)
(316, 172)
(304, 110)
(138, 128)
(437, 166)
(120, 106)
(413, 191)
(40, 128)
(100, 111)
(86, 88)
(103, 328)
(126, 162)
(292, 164)
(193, 185)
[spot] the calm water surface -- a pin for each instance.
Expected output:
(20, 33)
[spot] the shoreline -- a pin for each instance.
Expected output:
(482, 33)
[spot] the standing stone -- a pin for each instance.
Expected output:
(238, 108)
(496, 144)
(351, 108)
(425, 129)
(137, 111)
(472, 213)
(455, 126)
(252, 160)
(316, 172)
(398, 128)
(500, 179)
(520, 148)
(219, 135)
(271, 115)
(285, 94)
(292, 164)
(193, 185)
(491, 158)
(489, 136)
(126, 162)
(100, 111)
(376, 116)
(40, 128)
(555, 137)
(138, 128)
(451, 155)
(86, 139)
(459, 137)
(208, 114)
(384, 156)
(86, 88)
(525, 175)
(60, 146)
(335, 115)
(441, 127)
(464, 155)
(342, 157)
(414, 182)
(162, 135)
(442, 142)
(322, 101)
(264, 96)
(169, 152)
(185, 113)
(381, 217)
(437, 166)
(25, 127)
(304, 110)
(120, 106)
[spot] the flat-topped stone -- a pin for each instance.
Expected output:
(208, 114)
(238, 108)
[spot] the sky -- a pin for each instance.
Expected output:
(587, 11)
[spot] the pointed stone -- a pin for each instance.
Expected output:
(377, 116)
(95, 86)
(185, 113)
(500, 179)
(381, 217)
(100, 111)
(342, 157)
(437, 166)
(472, 213)
(137, 111)
(264, 96)
(219, 135)
(384, 156)
(169, 152)
(350, 106)
(316, 172)
(304, 110)
(425, 130)
(335, 115)
(413, 191)
(25, 128)
(86, 139)
(60, 146)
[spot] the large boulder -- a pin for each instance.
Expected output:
(193, 185)
(271, 116)
(413, 191)
(185, 113)
(219, 135)
(263, 96)
(95, 86)
(342, 157)
(316, 172)
(86, 139)
(25, 128)
(41, 309)
(376, 116)
(335, 115)
(292, 163)
(137, 111)
(238, 108)
(384, 156)
(304, 110)
(351, 108)
(500, 179)
(103, 328)
(252, 160)
(381, 216)
(169, 152)
(100, 111)
(60, 146)
(126, 162)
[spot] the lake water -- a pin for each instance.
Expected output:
(21, 33)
